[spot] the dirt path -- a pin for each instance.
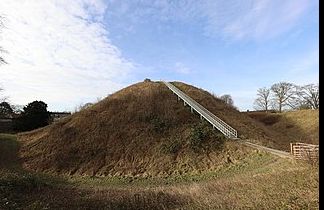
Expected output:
(267, 149)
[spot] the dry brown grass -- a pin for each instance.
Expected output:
(126, 135)
(293, 126)
(258, 181)
(123, 135)
(247, 127)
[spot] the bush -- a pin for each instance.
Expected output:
(202, 136)
(159, 125)
(198, 135)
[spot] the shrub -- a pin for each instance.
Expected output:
(198, 135)
(159, 125)
(202, 136)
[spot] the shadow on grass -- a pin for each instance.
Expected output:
(21, 189)
(290, 126)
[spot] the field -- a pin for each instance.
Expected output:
(258, 181)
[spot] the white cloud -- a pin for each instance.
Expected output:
(230, 19)
(181, 68)
(59, 52)
(254, 19)
(251, 19)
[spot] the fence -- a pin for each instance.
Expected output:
(303, 151)
(217, 123)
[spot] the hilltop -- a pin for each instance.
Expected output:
(141, 130)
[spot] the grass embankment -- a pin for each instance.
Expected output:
(140, 130)
(258, 181)
(293, 126)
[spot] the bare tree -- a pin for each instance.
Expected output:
(262, 102)
(82, 106)
(294, 101)
(297, 102)
(282, 93)
(2, 98)
(227, 99)
(309, 94)
(2, 60)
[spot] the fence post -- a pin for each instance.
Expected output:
(291, 149)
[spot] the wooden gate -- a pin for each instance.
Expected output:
(303, 151)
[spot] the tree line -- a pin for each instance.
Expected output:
(33, 115)
(285, 95)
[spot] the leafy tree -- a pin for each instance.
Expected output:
(17, 109)
(282, 93)
(33, 116)
(262, 102)
(5, 110)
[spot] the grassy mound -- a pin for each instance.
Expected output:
(258, 181)
(246, 127)
(141, 130)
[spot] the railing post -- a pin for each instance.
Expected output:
(216, 122)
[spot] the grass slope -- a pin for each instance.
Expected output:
(258, 181)
(293, 126)
(141, 130)
(247, 128)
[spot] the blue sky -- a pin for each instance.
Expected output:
(72, 53)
